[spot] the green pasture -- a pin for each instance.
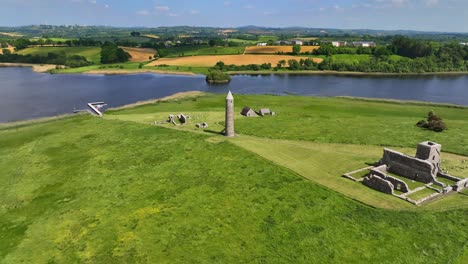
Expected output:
(199, 50)
(91, 53)
(121, 189)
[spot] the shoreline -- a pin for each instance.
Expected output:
(196, 94)
(41, 68)
(346, 73)
(139, 71)
(45, 68)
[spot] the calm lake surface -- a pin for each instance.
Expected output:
(25, 94)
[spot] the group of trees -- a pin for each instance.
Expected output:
(111, 53)
(72, 61)
(250, 67)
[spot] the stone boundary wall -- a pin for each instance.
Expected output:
(408, 167)
(462, 184)
(379, 184)
(448, 176)
(397, 183)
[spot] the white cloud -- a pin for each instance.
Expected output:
(162, 8)
(194, 12)
(143, 13)
(93, 2)
(249, 7)
(431, 2)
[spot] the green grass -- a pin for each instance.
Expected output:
(107, 191)
(337, 120)
(92, 190)
(93, 54)
(127, 66)
(421, 194)
(361, 174)
(411, 184)
(446, 181)
(200, 50)
(134, 66)
(266, 38)
(322, 163)
(193, 69)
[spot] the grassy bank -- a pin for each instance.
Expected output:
(92, 54)
(86, 189)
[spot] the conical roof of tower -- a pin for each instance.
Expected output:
(229, 96)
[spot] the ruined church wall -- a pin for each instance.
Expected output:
(408, 167)
(379, 184)
(397, 183)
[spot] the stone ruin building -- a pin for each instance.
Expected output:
(202, 125)
(249, 112)
(183, 119)
(424, 168)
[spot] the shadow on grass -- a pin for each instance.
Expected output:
(213, 132)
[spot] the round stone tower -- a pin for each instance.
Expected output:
(229, 129)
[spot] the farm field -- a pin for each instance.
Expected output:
(91, 53)
(10, 48)
(10, 34)
(86, 189)
(151, 36)
(139, 54)
(199, 50)
(276, 49)
(209, 61)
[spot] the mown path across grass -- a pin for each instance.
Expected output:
(95, 190)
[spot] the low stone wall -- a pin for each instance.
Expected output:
(397, 183)
(461, 185)
(379, 184)
(408, 167)
(448, 176)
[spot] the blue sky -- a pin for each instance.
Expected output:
(429, 15)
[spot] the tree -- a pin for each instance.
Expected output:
(110, 53)
(281, 64)
(6, 52)
(296, 49)
(433, 123)
(212, 42)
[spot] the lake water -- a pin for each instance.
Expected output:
(25, 94)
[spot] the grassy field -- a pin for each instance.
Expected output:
(129, 67)
(276, 49)
(91, 53)
(93, 190)
(209, 61)
(199, 50)
(319, 162)
(340, 120)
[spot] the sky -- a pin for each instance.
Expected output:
(426, 15)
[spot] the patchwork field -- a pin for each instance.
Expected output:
(276, 49)
(227, 59)
(150, 36)
(10, 48)
(10, 34)
(91, 53)
(139, 54)
(120, 189)
(182, 51)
